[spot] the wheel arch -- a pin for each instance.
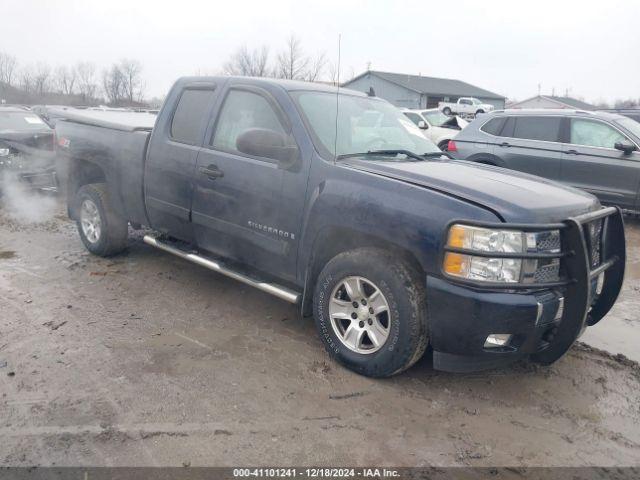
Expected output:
(81, 172)
(334, 240)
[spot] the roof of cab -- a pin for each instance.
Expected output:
(288, 85)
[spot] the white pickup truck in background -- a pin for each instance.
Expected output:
(465, 106)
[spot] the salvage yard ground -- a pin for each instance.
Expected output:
(144, 359)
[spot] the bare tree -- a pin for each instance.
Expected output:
(246, 63)
(316, 68)
(628, 103)
(8, 68)
(291, 62)
(86, 78)
(65, 78)
(333, 73)
(27, 76)
(113, 84)
(132, 85)
(41, 79)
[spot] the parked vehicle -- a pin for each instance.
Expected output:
(595, 151)
(436, 126)
(334, 201)
(26, 148)
(465, 105)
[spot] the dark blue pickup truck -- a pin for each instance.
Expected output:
(334, 200)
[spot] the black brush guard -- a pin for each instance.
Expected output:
(583, 306)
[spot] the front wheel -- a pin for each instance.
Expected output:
(370, 312)
(101, 229)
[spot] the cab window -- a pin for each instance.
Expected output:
(189, 116)
(244, 110)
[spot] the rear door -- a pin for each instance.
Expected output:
(591, 162)
(171, 161)
(250, 210)
(531, 144)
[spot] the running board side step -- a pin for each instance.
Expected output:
(272, 288)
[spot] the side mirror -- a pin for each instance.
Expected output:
(625, 147)
(262, 142)
(423, 125)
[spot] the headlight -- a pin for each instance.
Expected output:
(488, 268)
(482, 267)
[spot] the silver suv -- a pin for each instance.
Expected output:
(595, 151)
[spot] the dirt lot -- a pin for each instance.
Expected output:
(144, 359)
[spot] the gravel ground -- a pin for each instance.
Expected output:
(146, 360)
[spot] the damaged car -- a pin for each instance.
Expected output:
(27, 148)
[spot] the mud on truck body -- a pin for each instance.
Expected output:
(390, 244)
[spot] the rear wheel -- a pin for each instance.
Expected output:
(446, 111)
(479, 112)
(370, 311)
(101, 229)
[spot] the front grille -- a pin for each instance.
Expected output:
(548, 241)
(593, 236)
(547, 273)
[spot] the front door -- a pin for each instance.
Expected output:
(591, 162)
(245, 207)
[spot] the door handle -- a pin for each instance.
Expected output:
(572, 152)
(505, 144)
(211, 171)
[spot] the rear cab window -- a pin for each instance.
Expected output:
(191, 114)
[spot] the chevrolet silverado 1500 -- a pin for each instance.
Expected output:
(388, 242)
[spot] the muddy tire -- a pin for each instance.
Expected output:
(370, 312)
(101, 229)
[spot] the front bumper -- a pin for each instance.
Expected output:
(544, 322)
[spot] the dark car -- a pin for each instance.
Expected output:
(335, 201)
(595, 151)
(26, 147)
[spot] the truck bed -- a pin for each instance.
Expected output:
(116, 142)
(117, 120)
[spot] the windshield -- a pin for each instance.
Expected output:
(20, 121)
(364, 124)
(631, 125)
(435, 117)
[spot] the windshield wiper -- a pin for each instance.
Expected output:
(437, 154)
(383, 152)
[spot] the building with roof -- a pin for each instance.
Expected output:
(552, 101)
(417, 91)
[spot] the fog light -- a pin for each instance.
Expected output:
(496, 340)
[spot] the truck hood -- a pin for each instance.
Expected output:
(512, 196)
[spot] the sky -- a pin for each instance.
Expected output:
(589, 48)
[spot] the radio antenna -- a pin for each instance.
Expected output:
(335, 145)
